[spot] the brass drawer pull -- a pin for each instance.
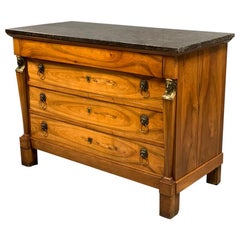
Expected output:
(144, 120)
(41, 71)
(144, 88)
(143, 159)
(43, 101)
(44, 129)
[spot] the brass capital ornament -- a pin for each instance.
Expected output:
(171, 89)
(21, 64)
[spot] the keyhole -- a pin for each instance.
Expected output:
(89, 110)
(90, 140)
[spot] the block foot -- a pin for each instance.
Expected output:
(214, 177)
(28, 154)
(169, 205)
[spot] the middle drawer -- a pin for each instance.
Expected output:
(120, 120)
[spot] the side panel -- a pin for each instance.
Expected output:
(187, 115)
(211, 103)
(200, 105)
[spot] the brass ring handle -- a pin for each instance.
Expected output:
(144, 86)
(43, 101)
(44, 128)
(41, 71)
(144, 120)
(143, 159)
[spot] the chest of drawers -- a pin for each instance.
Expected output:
(146, 104)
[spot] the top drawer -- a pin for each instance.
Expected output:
(123, 88)
(124, 61)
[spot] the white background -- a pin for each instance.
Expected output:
(60, 199)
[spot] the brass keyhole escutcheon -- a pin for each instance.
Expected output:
(88, 78)
(89, 110)
(90, 140)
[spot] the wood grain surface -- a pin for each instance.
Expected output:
(116, 119)
(124, 61)
(200, 103)
(95, 143)
(104, 85)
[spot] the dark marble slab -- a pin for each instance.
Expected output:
(140, 39)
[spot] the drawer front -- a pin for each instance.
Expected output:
(117, 87)
(131, 62)
(121, 120)
(137, 155)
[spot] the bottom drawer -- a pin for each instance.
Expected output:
(141, 156)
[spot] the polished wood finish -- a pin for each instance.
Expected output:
(28, 154)
(207, 168)
(109, 101)
(201, 84)
(98, 84)
(130, 62)
(169, 205)
(214, 177)
(119, 120)
(95, 143)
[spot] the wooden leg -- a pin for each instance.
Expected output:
(214, 177)
(169, 205)
(29, 157)
(28, 154)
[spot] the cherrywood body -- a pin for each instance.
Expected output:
(107, 104)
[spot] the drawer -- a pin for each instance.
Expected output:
(124, 61)
(120, 120)
(133, 154)
(141, 91)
